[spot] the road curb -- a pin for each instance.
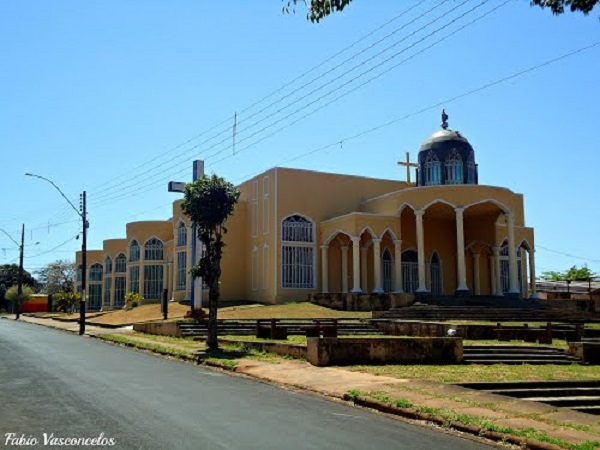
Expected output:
(409, 413)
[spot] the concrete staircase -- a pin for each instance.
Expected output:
(491, 313)
(583, 396)
(295, 327)
(512, 354)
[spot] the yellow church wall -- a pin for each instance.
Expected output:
(113, 247)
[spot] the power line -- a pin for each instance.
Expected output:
(144, 186)
(289, 83)
(566, 254)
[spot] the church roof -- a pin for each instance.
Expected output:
(442, 135)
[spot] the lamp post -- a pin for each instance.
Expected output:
(81, 212)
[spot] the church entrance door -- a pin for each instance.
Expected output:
(410, 271)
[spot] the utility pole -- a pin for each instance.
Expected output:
(20, 278)
(83, 207)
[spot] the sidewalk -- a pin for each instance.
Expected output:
(524, 423)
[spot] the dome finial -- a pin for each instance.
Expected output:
(444, 119)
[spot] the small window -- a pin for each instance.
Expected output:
(108, 265)
(96, 272)
(120, 263)
(433, 170)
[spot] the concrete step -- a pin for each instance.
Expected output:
(535, 362)
(567, 402)
(519, 356)
(550, 392)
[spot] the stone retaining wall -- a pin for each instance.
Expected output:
(434, 329)
(159, 328)
(294, 350)
(335, 351)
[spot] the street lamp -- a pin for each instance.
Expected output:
(81, 212)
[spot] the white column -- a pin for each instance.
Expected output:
(356, 265)
(476, 282)
(324, 269)
(497, 272)
(398, 266)
(512, 255)
(344, 269)
(363, 269)
(112, 290)
(460, 250)
(377, 266)
(532, 288)
(492, 262)
(421, 251)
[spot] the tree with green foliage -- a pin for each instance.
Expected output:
(12, 294)
(66, 301)
(318, 9)
(9, 276)
(573, 274)
(208, 202)
(57, 276)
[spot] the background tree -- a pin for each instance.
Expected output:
(208, 202)
(9, 276)
(57, 276)
(12, 294)
(574, 273)
(318, 9)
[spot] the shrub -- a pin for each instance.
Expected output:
(132, 299)
(66, 301)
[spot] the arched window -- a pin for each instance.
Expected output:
(134, 251)
(454, 168)
(108, 265)
(410, 271)
(471, 177)
(433, 170)
(120, 263)
(96, 272)
(153, 250)
(79, 272)
(297, 262)
(181, 235)
(435, 271)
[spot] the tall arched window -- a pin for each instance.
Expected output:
(134, 251)
(108, 265)
(181, 235)
(297, 262)
(96, 272)
(454, 168)
(120, 280)
(435, 272)
(505, 269)
(386, 263)
(153, 250)
(471, 178)
(433, 170)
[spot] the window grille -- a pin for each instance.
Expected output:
(119, 292)
(454, 168)
(435, 272)
(410, 271)
(153, 282)
(505, 269)
(96, 272)
(181, 271)
(153, 250)
(433, 170)
(134, 279)
(181, 235)
(120, 263)
(107, 289)
(297, 264)
(134, 251)
(108, 265)
(95, 297)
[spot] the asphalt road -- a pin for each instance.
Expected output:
(55, 382)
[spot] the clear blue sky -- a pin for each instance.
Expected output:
(89, 91)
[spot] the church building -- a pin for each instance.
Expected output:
(298, 232)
